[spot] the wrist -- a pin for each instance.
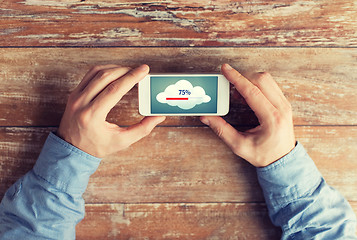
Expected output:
(290, 149)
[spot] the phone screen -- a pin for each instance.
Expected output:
(183, 94)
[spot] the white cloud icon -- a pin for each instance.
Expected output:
(183, 95)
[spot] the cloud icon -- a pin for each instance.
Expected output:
(183, 95)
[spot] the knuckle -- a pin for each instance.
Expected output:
(276, 114)
(278, 118)
(219, 130)
(84, 118)
(125, 70)
(96, 68)
(74, 102)
(104, 73)
(253, 91)
(261, 77)
(264, 75)
(112, 88)
(131, 74)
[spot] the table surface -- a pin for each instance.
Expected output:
(180, 182)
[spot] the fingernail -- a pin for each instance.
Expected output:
(205, 121)
(143, 68)
(227, 66)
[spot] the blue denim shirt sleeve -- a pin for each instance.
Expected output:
(47, 202)
(300, 201)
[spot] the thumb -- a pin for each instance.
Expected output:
(224, 130)
(137, 131)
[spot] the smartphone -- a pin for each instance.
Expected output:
(184, 95)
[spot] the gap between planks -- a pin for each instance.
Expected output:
(182, 46)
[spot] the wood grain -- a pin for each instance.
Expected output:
(188, 164)
(180, 182)
(177, 221)
(320, 83)
(178, 23)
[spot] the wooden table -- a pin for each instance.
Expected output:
(181, 182)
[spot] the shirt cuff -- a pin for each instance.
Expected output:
(65, 166)
(293, 176)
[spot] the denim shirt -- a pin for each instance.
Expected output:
(47, 202)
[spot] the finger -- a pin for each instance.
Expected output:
(100, 81)
(225, 131)
(112, 93)
(265, 82)
(90, 74)
(261, 106)
(136, 132)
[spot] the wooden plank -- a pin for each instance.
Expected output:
(19, 149)
(177, 221)
(320, 83)
(188, 164)
(178, 23)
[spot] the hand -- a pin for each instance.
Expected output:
(274, 137)
(84, 122)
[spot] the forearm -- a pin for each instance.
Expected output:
(47, 202)
(300, 201)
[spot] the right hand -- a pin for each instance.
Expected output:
(274, 137)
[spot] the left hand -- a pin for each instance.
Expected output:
(84, 122)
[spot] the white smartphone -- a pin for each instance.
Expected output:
(184, 95)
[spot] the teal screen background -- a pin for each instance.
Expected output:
(159, 83)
